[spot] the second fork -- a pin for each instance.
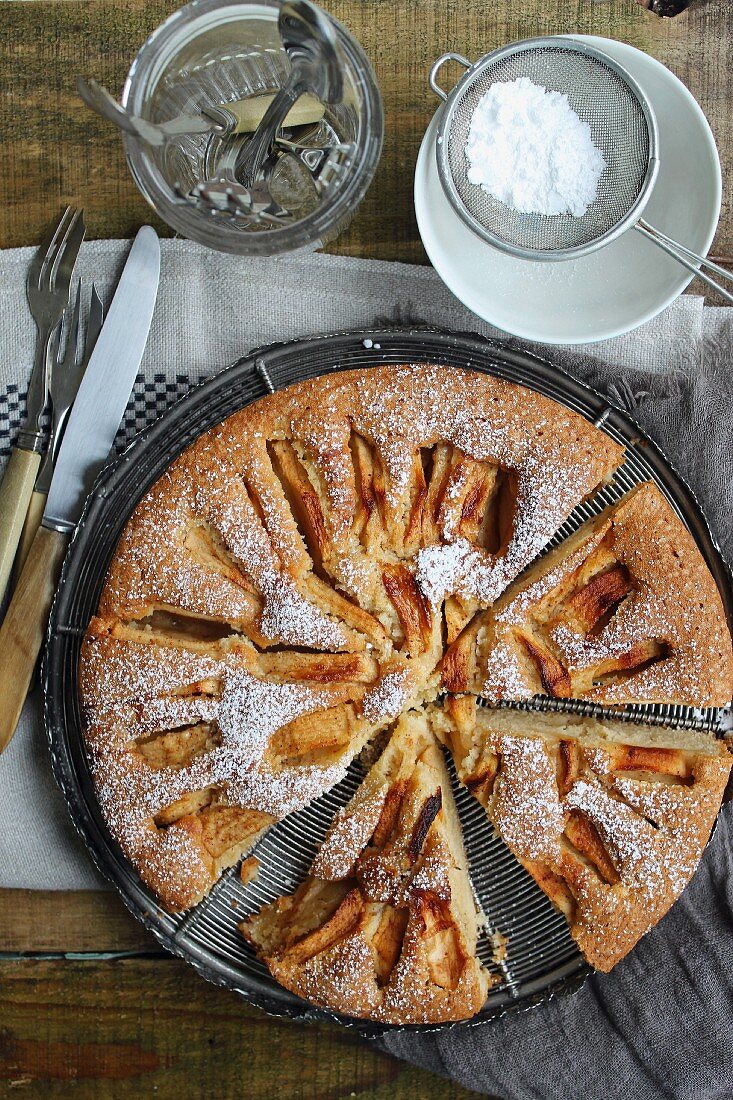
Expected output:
(66, 374)
(47, 289)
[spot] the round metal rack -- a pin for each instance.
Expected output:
(542, 959)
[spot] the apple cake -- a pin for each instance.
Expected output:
(623, 611)
(609, 818)
(385, 925)
(336, 556)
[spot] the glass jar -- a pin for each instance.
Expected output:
(214, 52)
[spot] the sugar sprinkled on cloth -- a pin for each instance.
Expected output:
(528, 148)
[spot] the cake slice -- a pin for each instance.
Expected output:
(385, 926)
(197, 748)
(623, 611)
(610, 819)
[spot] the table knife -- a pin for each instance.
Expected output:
(87, 440)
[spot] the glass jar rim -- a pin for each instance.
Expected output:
(156, 54)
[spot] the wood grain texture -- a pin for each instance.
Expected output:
(73, 921)
(16, 490)
(149, 1027)
(53, 150)
(24, 626)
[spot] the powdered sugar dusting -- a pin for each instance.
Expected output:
(390, 697)
(441, 569)
(248, 712)
(528, 810)
(283, 791)
(251, 710)
(502, 674)
(347, 837)
(630, 839)
(290, 617)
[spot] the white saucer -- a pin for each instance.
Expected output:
(614, 289)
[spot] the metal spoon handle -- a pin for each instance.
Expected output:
(249, 162)
(687, 258)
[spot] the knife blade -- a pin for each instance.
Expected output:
(105, 388)
(89, 435)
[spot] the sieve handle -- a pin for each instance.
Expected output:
(439, 65)
(689, 259)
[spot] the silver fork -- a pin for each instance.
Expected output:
(67, 373)
(224, 194)
(47, 289)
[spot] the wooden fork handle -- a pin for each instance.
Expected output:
(24, 626)
(33, 518)
(15, 494)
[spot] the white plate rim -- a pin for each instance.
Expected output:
(425, 164)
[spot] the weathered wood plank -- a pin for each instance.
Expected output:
(144, 1027)
(52, 150)
(52, 921)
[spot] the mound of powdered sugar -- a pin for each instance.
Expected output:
(528, 148)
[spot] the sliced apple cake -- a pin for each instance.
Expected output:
(329, 560)
(623, 611)
(268, 609)
(609, 818)
(385, 925)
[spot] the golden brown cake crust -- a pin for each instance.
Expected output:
(626, 610)
(610, 819)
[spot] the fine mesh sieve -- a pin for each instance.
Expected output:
(602, 94)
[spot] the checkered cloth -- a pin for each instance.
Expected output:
(659, 1025)
(149, 400)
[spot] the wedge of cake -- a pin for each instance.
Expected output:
(196, 748)
(385, 925)
(623, 611)
(610, 819)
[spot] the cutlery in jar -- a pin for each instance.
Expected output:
(310, 42)
(239, 117)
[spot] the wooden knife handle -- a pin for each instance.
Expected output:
(24, 626)
(33, 518)
(15, 494)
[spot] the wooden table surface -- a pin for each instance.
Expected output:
(88, 1003)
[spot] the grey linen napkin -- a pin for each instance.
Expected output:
(659, 1025)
